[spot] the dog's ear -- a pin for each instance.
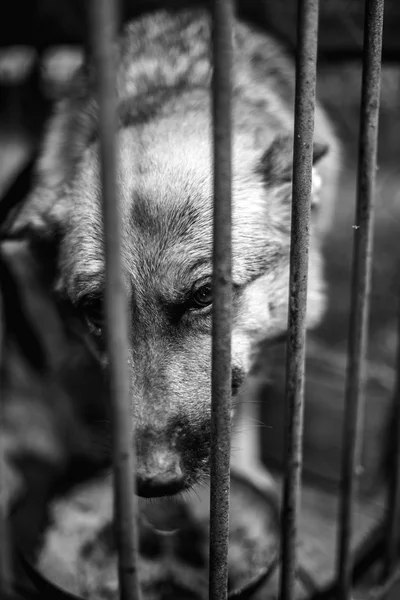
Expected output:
(276, 164)
(70, 130)
(22, 220)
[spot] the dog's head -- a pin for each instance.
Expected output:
(165, 190)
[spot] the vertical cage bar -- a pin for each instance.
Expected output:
(361, 284)
(104, 18)
(307, 39)
(221, 379)
(392, 514)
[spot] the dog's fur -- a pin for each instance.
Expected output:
(165, 190)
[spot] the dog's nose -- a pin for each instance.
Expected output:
(162, 476)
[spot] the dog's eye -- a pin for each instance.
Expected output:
(202, 296)
(93, 311)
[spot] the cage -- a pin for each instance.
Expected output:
(365, 561)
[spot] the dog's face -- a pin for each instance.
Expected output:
(165, 189)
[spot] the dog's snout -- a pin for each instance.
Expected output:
(162, 475)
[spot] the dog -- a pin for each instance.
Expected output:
(164, 140)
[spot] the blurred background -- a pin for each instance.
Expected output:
(41, 44)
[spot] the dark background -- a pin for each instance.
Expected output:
(46, 22)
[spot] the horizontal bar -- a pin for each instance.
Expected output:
(103, 17)
(361, 285)
(393, 507)
(307, 36)
(221, 377)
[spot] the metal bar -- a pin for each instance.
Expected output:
(361, 283)
(221, 377)
(307, 36)
(392, 515)
(104, 27)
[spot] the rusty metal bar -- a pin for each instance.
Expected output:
(393, 507)
(104, 19)
(307, 38)
(361, 283)
(221, 378)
